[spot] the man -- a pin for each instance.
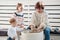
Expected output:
(39, 21)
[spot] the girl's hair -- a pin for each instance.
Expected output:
(39, 5)
(18, 5)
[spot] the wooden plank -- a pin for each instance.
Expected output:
(53, 11)
(54, 20)
(5, 14)
(52, 7)
(54, 24)
(53, 15)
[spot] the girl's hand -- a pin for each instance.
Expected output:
(18, 25)
(21, 25)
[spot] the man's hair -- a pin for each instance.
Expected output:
(12, 20)
(18, 5)
(39, 5)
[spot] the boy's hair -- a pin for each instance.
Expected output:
(12, 20)
(39, 5)
(18, 5)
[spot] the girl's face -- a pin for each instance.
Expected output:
(39, 10)
(20, 9)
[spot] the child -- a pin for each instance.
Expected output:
(18, 15)
(12, 30)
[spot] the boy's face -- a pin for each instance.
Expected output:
(13, 24)
(20, 9)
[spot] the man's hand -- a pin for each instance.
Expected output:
(41, 26)
(33, 29)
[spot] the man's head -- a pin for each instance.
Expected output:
(12, 21)
(39, 7)
(19, 7)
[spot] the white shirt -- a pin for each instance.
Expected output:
(12, 32)
(19, 19)
(38, 18)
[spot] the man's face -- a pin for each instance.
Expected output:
(20, 9)
(39, 10)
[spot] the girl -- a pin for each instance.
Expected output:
(18, 15)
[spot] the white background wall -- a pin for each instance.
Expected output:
(7, 7)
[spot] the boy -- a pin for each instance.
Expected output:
(12, 30)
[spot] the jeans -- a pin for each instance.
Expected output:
(9, 38)
(47, 33)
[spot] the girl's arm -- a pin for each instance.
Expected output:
(14, 16)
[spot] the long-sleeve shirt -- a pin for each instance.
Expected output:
(19, 17)
(38, 18)
(12, 32)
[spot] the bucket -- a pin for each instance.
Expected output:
(32, 36)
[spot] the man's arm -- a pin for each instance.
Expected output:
(41, 27)
(32, 23)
